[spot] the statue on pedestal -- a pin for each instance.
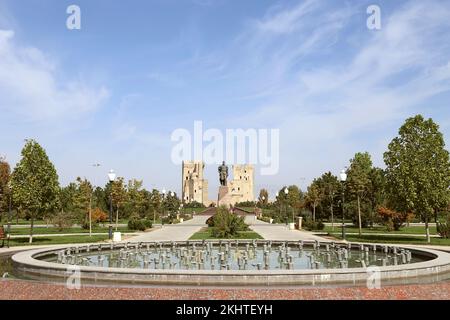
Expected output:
(223, 174)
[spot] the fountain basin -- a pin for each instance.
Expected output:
(42, 265)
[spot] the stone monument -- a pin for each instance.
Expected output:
(224, 198)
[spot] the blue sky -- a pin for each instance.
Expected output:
(114, 91)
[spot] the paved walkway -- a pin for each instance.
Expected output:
(176, 232)
(278, 231)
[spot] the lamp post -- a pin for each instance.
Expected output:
(286, 192)
(111, 178)
(343, 178)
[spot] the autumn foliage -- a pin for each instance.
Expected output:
(394, 220)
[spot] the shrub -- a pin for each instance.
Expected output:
(139, 224)
(98, 215)
(195, 204)
(226, 224)
(311, 225)
(444, 228)
(393, 220)
(62, 220)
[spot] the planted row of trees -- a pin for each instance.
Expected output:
(414, 183)
(34, 192)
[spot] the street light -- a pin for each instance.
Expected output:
(111, 178)
(286, 191)
(343, 178)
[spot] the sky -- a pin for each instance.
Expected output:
(114, 91)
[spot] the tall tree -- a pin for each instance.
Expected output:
(418, 169)
(119, 196)
(155, 203)
(329, 186)
(313, 197)
(83, 201)
(5, 194)
(35, 183)
(358, 182)
(136, 198)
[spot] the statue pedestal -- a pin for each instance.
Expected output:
(224, 198)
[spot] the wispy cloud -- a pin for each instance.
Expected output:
(30, 87)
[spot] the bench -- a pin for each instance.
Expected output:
(3, 237)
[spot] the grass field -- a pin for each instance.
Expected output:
(395, 239)
(206, 234)
(382, 229)
(57, 240)
(52, 230)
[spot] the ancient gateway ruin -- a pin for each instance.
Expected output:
(238, 189)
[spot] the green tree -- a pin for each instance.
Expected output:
(5, 194)
(358, 182)
(418, 169)
(35, 183)
(83, 202)
(155, 203)
(329, 187)
(119, 196)
(136, 200)
(313, 197)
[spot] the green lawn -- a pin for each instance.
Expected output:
(52, 230)
(381, 229)
(57, 240)
(395, 239)
(206, 234)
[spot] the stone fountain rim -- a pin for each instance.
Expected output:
(27, 260)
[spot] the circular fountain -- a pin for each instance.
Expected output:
(233, 263)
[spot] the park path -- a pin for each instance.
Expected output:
(278, 231)
(176, 232)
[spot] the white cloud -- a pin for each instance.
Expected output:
(31, 89)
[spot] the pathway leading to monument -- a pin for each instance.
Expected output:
(176, 232)
(278, 232)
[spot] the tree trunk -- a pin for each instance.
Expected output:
(359, 216)
(314, 212)
(31, 228)
(117, 218)
(427, 229)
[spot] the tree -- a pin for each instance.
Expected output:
(155, 203)
(136, 201)
(418, 169)
(5, 194)
(119, 196)
(358, 182)
(377, 190)
(263, 198)
(394, 220)
(329, 187)
(83, 201)
(313, 197)
(226, 224)
(34, 182)
(171, 204)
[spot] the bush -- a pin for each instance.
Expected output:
(394, 220)
(139, 224)
(62, 220)
(225, 224)
(246, 204)
(444, 228)
(311, 225)
(194, 204)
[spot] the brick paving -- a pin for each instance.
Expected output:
(20, 290)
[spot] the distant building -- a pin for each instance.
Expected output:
(195, 187)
